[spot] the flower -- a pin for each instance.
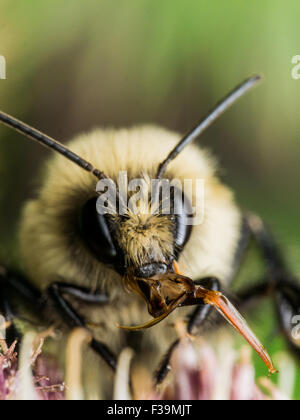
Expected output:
(30, 376)
(200, 370)
(214, 370)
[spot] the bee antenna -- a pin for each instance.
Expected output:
(212, 115)
(47, 141)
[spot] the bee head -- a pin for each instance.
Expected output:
(140, 244)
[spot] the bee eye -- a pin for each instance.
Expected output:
(96, 233)
(182, 228)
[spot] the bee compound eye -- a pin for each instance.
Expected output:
(183, 212)
(95, 231)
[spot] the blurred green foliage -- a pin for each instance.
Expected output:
(74, 65)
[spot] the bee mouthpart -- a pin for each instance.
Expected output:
(163, 291)
(166, 292)
(159, 318)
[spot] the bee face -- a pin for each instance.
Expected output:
(139, 242)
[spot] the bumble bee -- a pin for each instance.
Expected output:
(78, 262)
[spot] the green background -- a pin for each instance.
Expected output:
(74, 65)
